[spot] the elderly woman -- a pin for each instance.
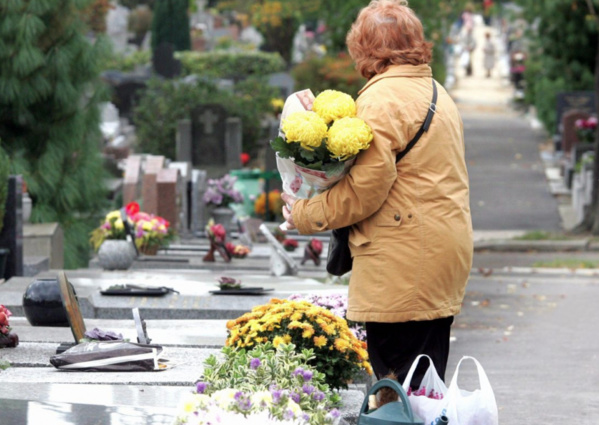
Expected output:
(411, 231)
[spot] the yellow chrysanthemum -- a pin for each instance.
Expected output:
(113, 215)
(347, 137)
(295, 325)
(332, 105)
(278, 340)
(308, 332)
(297, 316)
(320, 341)
(286, 338)
(341, 345)
(306, 128)
(327, 328)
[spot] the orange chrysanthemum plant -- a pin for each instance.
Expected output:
(337, 352)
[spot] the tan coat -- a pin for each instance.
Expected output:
(411, 238)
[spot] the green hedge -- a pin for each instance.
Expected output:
(225, 64)
(165, 102)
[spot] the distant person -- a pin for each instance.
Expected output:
(468, 46)
(487, 10)
(489, 54)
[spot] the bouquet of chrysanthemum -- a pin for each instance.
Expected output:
(318, 141)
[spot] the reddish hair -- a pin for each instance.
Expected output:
(387, 32)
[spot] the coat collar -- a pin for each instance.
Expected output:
(400, 71)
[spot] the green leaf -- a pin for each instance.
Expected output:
(333, 168)
(307, 155)
(284, 149)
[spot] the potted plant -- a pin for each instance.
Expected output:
(261, 385)
(109, 240)
(219, 195)
(152, 232)
(337, 352)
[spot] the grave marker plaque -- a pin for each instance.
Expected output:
(71, 305)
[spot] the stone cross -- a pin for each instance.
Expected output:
(208, 119)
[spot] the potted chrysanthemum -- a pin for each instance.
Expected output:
(318, 142)
(337, 352)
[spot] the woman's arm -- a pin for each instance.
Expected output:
(364, 189)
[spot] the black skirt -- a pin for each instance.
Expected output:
(393, 347)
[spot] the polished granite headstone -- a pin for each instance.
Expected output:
(24, 412)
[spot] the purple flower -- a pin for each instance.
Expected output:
(318, 396)
(307, 375)
(238, 395)
(201, 387)
(334, 413)
(295, 397)
(276, 395)
(298, 371)
(308, 389)
(255, 363)
(288, 415)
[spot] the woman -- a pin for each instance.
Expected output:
(489, 57)
(411, 234)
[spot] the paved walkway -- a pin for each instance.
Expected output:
(509, 190)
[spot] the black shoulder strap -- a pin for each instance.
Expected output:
(427, 123)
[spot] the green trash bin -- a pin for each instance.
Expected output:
(251, 183)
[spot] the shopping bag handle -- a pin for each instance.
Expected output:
(484, 383)
(389, 383)
(410, 374)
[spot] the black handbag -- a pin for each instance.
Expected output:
(339, 259)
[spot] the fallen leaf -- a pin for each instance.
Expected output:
(485, 272)
(485, 302)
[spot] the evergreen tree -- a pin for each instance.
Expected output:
(171, 24)
(49, 116)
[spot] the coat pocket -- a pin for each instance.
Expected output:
(388, 217)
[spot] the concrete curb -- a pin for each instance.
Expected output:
(541, 246)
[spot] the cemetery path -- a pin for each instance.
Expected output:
(508, 187)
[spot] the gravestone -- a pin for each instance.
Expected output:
(583, 101)
(164, 62)
(132, 179)
(283, 81)
(208, 127)
(117, 20)
(184, 141)
(11, 236)
(149, 192)
(215, 138)
(184, 195)
(199, 215)
(233, 143)
(569, 136)
(169, 197)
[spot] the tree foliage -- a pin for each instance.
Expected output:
(49, 116)
(562, 52)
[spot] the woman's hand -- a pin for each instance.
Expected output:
(289, 201)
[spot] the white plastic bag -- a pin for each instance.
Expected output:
(476, 407)
(429, 400)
